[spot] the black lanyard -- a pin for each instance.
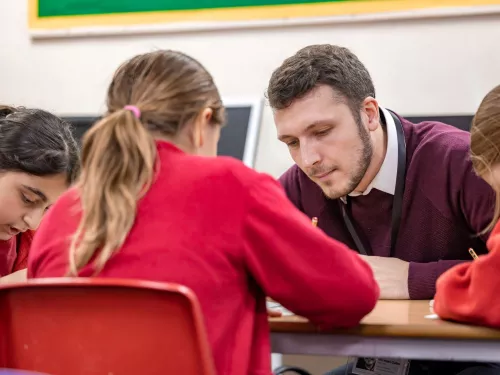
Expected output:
(397, 204)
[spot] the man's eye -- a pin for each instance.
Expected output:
(322, 133)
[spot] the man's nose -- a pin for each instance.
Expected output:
(309, 155)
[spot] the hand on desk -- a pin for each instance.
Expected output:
(391, 275)
(272, 313)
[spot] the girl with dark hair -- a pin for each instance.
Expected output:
(38, 161)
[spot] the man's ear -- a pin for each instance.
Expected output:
(371, 109)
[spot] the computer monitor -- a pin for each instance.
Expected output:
(239, 138)
(459, 121)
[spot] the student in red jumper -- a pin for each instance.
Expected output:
(38, 161)
(469, 291)
(153, 203)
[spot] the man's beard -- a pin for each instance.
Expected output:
(364, 155)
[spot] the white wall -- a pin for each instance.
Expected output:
(419, 66)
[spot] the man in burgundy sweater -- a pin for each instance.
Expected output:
(404, 195)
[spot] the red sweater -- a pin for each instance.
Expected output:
(469, 292)
(14, 253)
(232, 236)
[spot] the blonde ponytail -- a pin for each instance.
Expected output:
(118, 162)
(156, 94)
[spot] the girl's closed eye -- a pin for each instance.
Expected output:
(26, 199)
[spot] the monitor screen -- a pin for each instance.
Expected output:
(459, 121)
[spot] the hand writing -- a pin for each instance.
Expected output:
(391, 275)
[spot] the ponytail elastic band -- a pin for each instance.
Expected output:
(136, 111)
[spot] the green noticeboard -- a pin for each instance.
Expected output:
(64, 14)
(55, 8)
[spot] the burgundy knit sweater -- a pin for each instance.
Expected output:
(445, 205)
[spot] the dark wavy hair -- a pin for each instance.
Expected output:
(37, 142)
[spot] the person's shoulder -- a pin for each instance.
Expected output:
(437, 142)
(494, 239)
(57, 225)
(291, 176)
(67, 205)
(231, 170)
(438, 134)
(69, 197)
(200, 169)
(291, 181)
(439, 163)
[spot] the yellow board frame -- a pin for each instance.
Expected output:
(244, 13)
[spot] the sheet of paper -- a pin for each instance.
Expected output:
(276, 306)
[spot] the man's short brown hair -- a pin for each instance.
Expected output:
(322, 64)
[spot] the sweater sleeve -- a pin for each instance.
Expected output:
(299, 266)
(422, 277)
(476, 200)
(23, 249)
(472, 201)
(468, 292)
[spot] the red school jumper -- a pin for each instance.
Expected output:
(14, 253)
(469, 292)
(231, 235)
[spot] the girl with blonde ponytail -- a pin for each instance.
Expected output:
(154, 203)
(468, 292)
(120, 154)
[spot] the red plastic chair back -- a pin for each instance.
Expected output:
(9, 371)
(92, 326)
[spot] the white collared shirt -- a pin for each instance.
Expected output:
(385, 180)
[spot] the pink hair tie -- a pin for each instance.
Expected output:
(136, 111)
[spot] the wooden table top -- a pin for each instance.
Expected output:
(396, 319)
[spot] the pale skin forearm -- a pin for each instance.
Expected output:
(16, 277)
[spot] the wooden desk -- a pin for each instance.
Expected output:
(396, 329)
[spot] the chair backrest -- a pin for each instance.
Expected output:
(8, 371)
(92, 326)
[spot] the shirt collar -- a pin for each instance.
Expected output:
(385, 180)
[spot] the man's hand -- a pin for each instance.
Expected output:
(391, 275)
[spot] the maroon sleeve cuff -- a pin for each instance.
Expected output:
(422, 277)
